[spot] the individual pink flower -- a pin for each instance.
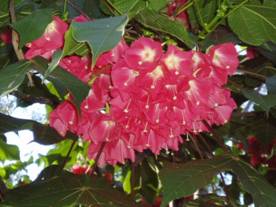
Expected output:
(225, 57)
(80, 18)
(177, 61)
(64, 118)
(112, 56)
(77, 66)
(143, 54)
(51, 40)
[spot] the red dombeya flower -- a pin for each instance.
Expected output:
(142, 97)
(51, 40)
(64, 118)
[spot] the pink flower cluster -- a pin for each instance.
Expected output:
(145, 97)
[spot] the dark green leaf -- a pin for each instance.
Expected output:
(64, 79)
(32, 26)
(57, 56)
(129, 7)
(8, 152)
(184, 179)
(255, 22)
(207, 10)
(263, 193)
(43, 134)
(158, 4)
(181, 180)
(155, 21)
(67, 190)
(12, 76)
(101, 35)
(266, 102)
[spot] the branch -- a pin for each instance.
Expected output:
(68, 154)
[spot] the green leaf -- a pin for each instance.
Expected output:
(181, 180)
(266, 102)
(255, 23)
(101, 35)
(8, 152)
(12, 76)
(262, 192)
(43, 134)
(32, 26)
(60, 77)
(157, 22)
(157, 5)
(129, 7)
(67, 190)
(127, 182)
(71, 46)
(57, 56)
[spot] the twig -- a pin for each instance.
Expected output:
(15, 39)
(92, 169)
(255, 75)
(68, 154)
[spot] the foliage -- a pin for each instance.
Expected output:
(53, 51)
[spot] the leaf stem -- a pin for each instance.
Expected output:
(256, 75)
(183, 7)
(221, 15)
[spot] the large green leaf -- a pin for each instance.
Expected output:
(67, 190)
(8, 152)
(71, 46)
(181, 180)
(255, 22)
(129, 7)
(262, 192)
(32, 26)
(266, 102)
(151, 19)
(43, 134)
(61, 78)
(12, 76)
(101, 35)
